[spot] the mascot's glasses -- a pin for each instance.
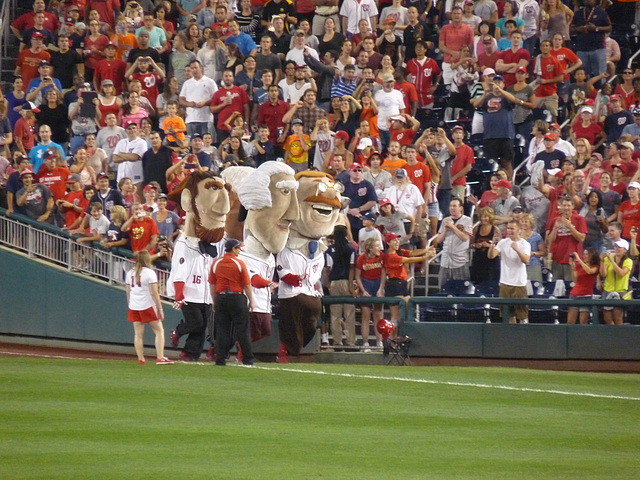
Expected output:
(337, 186)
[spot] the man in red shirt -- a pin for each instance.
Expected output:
(549, 73)
(408, 90)
(27, 20)
(52, 176)
(106, 9)
(565, 234)
(399, 132)
(420, 176)
(424, 73)
(452, 37)
(511, 59)
(149, 79)
(29, 59)
(490, 56)
(461, 164)
(227, 100)
(143, 229)
(270, 114)
(110, 68)
(569, 62)
(74, 203)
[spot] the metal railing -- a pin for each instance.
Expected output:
(52, 245)
(6, 14)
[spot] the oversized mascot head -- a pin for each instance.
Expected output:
(269, 196)
(320, 205)
(205, 199)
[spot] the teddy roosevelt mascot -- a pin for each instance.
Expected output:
(205, 199)
(269, 207)
(300, 263)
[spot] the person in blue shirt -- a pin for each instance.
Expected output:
(38, 152)
(38, 87)
(245, 43)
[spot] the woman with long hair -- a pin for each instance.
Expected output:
(145, 307)
(194, 38)
(386, 67)
(248, 21)
(555, 17)
(331, 40)
(55, 114)
(108, 101)
(596, 219)
(393, 221)
(82, 168)
(94, 45)
(523, 112)
(625, 87)
(584, 274)
(509, 13)
(132, 110)
(341, 271)
(369, 274)
(345, 57)
(615, 269)
(170, 94)
(583, 153)
(235, 58)
(484, 268)
(369, 113)
(233, 146)
(349, 115)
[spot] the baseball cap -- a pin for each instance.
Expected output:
(468, 2)
(615, 97)
(388, 77)
(627, 145)
(147, 208)
(195, 135)
(586, 108)
(589, 102)
(297, 121)
(73, 178)
(503, 183)
(44, 63)
(550, 136)
(149, 187)
(37, 35)
(106, 81)
(364, 143)
(518, 208)
(636, 111)
(231, 244)
(26, 171)
(73, 7)
(143, 33)
(390, 236)
(400, 173)
(30, 106)
(81, 26)
(457, 127)
(622, 243)
(162, 195)
(621, 166)
(369, 216)
(102, 175)
(521, 69)
(498, 78)
(554, 171)
(597, 156)
(341, 134)
(488, 71)
(487, 40)
(635, 185)
(355, 166)
(399, 118)
(50, 154)
(110, 44)
(128, 123)
(385, 201)
(555, 126)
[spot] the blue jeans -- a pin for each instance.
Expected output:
(197, 127)
(385, 138)
(594, 62)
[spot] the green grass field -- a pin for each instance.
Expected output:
(103, 419)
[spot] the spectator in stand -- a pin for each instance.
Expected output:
(468, 17)
(271, 114)
(141, 70)
(110, 68)
(39, 86)
(352, 12)
(94, 49)
(406, 198)
(297, 146)
(166, 220)
(420, 176)
(144, 231)
(27, 20)
(157, 37)
(196, 94)
(105, 8)
(108, 137)
(52, 176)
(586, 128)
(109, 102)
(538, 247)
(244, 41)
(454, 235)
(14, 183)
(552, 157)
(395, 221)
(561, 144)
(615, 269)
(504, 205)
(625, 87)
(589, 25)
(569, 62)
(425, 74)
(66, 62)
(555, 18)
(452, 37)
(389, 102)
(523, 109)
(98, 225)
(227, 100)
(415, 31)
(565, 234)
(6, 132)
(128, 155)
(75, 202)
(629, 212)
(621, 122)
(156, 161)
(549, 74)
(81, 167)
(483, 268)
(143, 50)
(513, 58)
(380, 179)
(45, 118)
(363, 198)
(368, 275)
(124, 41)
(596, 219)
(34, 198)
(28, 61)
(389, 42)
(514, 254)
(25, 127)
(82, 125)
(187, 8)
(490, 55)
(14, 100)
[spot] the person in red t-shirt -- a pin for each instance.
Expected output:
(629, 211)
(369, 275)
(227, 100)
(24, 130)
(565, 234)
(461, 164)
(569, 62)
(399, 132)
(143, 229)
(27, 20)
(490, 56)
(511, 59)
(585, 127)
(420, 176)
(149, 79)
(425, 74)
(75, 202)
(409, 92)
(29, 59)
(110, 68)
(549, 73)
(52, 176)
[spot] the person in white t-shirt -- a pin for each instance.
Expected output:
(128, 156)
(196, 95)
(390, 102)
(514, 254)
(145, 307)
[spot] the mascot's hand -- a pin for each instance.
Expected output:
(178, 305)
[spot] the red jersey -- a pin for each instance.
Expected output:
(55, 180)
(271, 115)
(111, 70)
(25, 132)
(509, 56)
(29, 63)
(588, 133)
(565, 243)
(565, 56)
(79, 200)
(91, 61)
(221, 28)
(464, 156)
(239, 99)
(630, 217)
(419, 175)
(409, 94)
(547, 68)
(370, 268)
(393, 263)
(404, 137)
(149, 81)
(141, 232)
(424, 72)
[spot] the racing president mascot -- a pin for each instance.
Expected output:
(300, 263)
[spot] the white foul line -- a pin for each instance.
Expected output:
(454, 384)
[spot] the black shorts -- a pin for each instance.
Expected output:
(396, 287)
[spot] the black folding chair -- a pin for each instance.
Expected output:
(397, 350)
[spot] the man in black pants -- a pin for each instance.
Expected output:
(228, 279)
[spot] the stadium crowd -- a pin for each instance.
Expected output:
(114, 103)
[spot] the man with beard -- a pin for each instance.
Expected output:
(268, 195)
(226, 101)
(205, 200)
(300, 263)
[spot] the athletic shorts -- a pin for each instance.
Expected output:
(396, 287)
(579, 298)
(371, 286)
(143, 316)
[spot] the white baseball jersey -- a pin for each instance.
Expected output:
(139, 293)
(263, 268)
(133, 170)
(297, 263)
(191, 266)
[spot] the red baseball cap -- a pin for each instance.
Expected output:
(341, 134)
(390, 236)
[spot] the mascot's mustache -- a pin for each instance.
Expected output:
(332, 202)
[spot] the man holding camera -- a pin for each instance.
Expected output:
(566, 232)
(39, 86)
(514, 254)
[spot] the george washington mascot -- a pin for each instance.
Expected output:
(205, 199)
(300, 263)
